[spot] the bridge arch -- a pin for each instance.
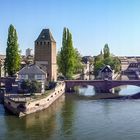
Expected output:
(114, 83)
(102, 85)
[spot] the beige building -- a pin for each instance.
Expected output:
(45, 54)
(2, 69)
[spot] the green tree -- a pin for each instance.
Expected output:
(35, 87)
(12, 63)
(78, 59)
(25, 85)
(67, 57)
(106, 59)
(106, 51)
(31, 86)
(97, 67)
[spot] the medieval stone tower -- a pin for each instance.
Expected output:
(45, 54)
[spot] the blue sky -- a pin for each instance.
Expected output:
(91, 22)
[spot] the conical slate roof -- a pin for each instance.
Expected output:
(45, 35)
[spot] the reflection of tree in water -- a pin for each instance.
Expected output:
(68, 115)
(36, 126)
(106, 107)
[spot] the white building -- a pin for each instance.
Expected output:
(86, 68)
(33, 72)
(28, 52)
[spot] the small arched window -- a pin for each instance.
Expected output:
(48, 43)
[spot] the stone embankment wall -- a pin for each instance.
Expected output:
(22, 108)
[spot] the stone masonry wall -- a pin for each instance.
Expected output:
(35, 105)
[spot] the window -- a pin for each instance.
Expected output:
(36, 43)
(43, 77)
(48, 43)
(40, 43)
(36, 104)
(23, 77)
(44, 43)
(38, 77)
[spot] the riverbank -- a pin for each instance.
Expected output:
(27, 104)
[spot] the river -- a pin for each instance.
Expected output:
(73, 118)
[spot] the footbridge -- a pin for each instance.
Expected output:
(100, 85)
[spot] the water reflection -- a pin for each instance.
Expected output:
(87, 91)
(128, 90)
(71, 118)
(33, 126)
(68, 116)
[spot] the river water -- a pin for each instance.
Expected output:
(73, 118)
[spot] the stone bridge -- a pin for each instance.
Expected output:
(100, 85)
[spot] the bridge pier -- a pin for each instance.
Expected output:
(70, 89)
(101, 90)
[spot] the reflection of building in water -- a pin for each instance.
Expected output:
(38, 124)
(68, 116)
(45, 114)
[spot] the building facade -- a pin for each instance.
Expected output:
(45, 54)
(106, 73)
(2, 69)
(33, 72)
(133, 67)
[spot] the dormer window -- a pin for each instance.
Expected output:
(43, 36)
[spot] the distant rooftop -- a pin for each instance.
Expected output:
(45, 35)
(2, 56)
(106, 68)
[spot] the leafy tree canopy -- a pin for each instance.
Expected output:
(106, 59)
(12, 63)
(68, 59)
